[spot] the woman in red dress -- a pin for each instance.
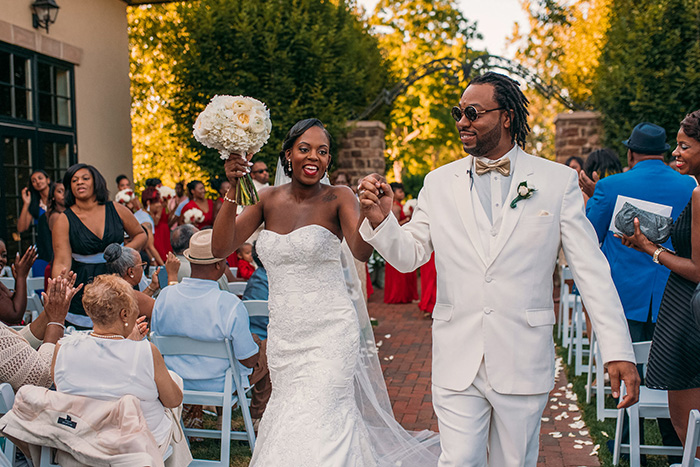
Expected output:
(154, 205)
(398, 287)
(428, 287)
(198, 195)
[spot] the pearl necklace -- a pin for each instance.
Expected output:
(107, 336)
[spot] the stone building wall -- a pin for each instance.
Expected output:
(577, 134)
(362, 150)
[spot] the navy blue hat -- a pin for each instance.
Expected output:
(647, 138)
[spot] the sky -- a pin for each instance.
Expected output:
(495, 19)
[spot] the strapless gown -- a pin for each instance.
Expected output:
(312, 418)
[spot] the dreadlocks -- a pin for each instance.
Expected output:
(509, 96)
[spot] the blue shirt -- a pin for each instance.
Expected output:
(639, 281)
(178, 209)
(258, 289)
(197, 308)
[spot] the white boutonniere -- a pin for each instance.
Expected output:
(525, 191)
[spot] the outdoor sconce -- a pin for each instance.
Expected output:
(44, 13)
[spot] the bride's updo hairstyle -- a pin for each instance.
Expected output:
(293, 135)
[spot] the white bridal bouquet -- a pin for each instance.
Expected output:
(125, 196)
(193, 216)
(235, 125)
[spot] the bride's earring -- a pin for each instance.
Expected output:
(289, 165)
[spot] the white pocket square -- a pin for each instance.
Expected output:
(543, 213)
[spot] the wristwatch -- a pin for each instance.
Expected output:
(655, 256)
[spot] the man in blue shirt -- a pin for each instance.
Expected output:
(639, 281)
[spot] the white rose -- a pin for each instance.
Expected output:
(241, 105)
(257, 123)
(523, 191)
(242, 119)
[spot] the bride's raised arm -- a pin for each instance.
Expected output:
(231, 230)
(349, 214)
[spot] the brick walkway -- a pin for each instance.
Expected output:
(404, 341)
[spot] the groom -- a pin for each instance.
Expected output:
(495, 220)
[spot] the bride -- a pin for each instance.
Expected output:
(329, 405)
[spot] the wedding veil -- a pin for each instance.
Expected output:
(393, 444)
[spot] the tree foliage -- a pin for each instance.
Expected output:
(421, 134)
(562, 46)
(303, 58)
(157, 150)
(650, 66)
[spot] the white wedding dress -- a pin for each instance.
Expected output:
(324, 409)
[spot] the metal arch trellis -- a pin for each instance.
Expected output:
(456, 71)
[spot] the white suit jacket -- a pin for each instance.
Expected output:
(501, 309)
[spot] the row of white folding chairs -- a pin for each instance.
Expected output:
(572, 323)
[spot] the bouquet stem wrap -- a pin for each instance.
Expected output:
(246, 194)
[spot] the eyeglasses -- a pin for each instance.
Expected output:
(470, 112)
(260, 171)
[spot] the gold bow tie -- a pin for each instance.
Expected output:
(503, 166)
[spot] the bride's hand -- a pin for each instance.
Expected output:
(236, 166)
(376, 198)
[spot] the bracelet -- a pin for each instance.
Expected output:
(151, 289)
(57, 324)
(173, 282)
(659, 250)
(232, 201)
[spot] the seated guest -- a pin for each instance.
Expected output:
(106, 365)
(258, 288)
(245, 264)
(26, 355)
(13, 304)
(196, 308)
(126, 263)
(180, 240)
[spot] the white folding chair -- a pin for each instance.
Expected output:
(7, 399)
(257, 308)
(237, 288)
(595, 366)
(577, 342)
(177, 345)
(234, 271)
(652, 404)
(34, 284)
(692, 440)
(8, 282)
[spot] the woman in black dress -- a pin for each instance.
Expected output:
(674, 361)
(82, 232)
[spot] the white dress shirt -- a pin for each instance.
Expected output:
(492, 187)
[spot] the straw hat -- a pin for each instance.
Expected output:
(199, 251)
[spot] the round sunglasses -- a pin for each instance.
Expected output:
(470, 112)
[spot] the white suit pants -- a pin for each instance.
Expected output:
(480, 427)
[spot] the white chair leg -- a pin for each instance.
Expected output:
(591, 363)
(618, 437)
(635, 457)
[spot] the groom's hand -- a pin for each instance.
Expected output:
(627, 372)
(376, 197)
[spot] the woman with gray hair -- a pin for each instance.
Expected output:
(126, 263)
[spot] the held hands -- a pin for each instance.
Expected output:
(58, 296)
(376, 198)
(237, 166)
(638, 241)
(627, 372)
(21, 266)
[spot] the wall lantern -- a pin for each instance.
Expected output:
(44, 13)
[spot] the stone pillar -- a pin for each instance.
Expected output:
(362, 151)
(577, 134)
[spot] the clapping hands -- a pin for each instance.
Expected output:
(58, 295)
(140, 329)
(21, 266)
(376, 198)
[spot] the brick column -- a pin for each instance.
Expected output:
(362, 150)
(577, 134)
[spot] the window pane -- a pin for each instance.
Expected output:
(63, 158)
(21, 71)
(5, 66)
(45, 108)
(62, 82)
(5, 100)
(9, 151)
(47, 152)
(23, 153)
(22, 104)
(44, 77)
(63, 111)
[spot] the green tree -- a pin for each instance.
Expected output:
(650, 66)
(303, 58)
(421, 134)
(157, 150)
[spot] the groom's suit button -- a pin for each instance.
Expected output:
(488, 310)
(494, 232)
(488, 278)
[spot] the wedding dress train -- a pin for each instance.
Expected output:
(329, 405)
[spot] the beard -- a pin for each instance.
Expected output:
(486, 143)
